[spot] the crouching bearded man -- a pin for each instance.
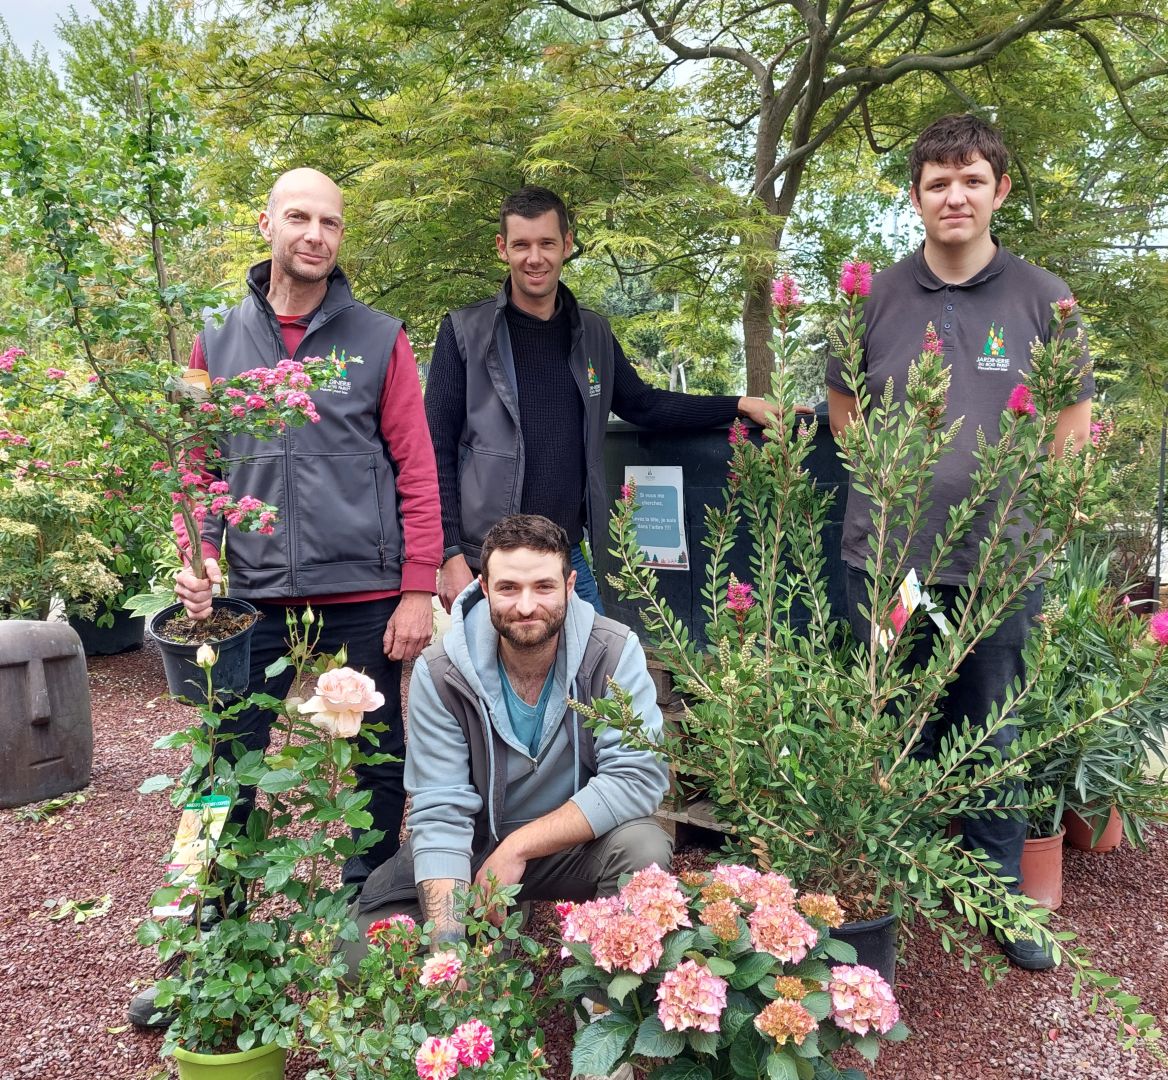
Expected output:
(506, 779)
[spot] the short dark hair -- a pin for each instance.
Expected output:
(527, 531)
(532, 202)
(958, 140)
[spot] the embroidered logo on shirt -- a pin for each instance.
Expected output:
(593, 381)
(993, 354)
(339, 383)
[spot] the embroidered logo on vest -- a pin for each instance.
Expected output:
(339, 383)
(993, 354)
(593, 381)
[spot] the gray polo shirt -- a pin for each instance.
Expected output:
(986, 325)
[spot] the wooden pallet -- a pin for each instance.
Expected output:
(693, 823)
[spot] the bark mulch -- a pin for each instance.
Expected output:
(65, 985)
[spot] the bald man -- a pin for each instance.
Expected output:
(359, 534)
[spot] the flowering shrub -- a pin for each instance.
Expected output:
(264, 908)
(808, 741)
(722, 973)
(469, 1010)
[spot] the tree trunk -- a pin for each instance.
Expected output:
(756, 332)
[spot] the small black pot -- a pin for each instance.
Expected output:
(127, 632)
(184, 678)
(875, 943)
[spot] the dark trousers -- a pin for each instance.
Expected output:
(360, 627)
(981, 683)
(580, 873)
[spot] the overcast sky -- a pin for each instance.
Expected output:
(32, 21)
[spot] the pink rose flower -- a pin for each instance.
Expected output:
(437, 1059)
(474, 1042)
(342, 697)
(382, 931)
(441, 967)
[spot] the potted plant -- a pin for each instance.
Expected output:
(1091, 648)
(255, 902)
(804, 736)
(721, 973)
(469, 1009)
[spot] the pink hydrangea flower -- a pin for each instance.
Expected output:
(782, 932)
(627, 941)
(772, 890)
(785, 293)
(784, 1019)
(856, 279)
(582, 921)
(861, 1000)
(741, 879)
(474, 1042)
(1158, 627)
(691, 997)
(1021, 401)
(652, 893)
(441, 967)
(437, 1059)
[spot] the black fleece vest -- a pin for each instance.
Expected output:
(490, 455)
(339, 527)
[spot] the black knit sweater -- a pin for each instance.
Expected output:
(551, 416)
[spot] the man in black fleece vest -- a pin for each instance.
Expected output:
(518, 397)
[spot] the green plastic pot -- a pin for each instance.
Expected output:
(258, 1063)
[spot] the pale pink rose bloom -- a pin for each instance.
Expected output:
(441, 967)
(342, 697)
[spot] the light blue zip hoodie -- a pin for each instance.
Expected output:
(629, 783)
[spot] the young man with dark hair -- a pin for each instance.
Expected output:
(518, 397)
(506, 780)
(987, 305)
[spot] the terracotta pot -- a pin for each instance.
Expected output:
(1042, 869)
(1080, 831)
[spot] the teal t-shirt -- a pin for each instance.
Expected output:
(526, 720)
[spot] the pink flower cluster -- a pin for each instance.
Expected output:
(288, 384)
(396, 927)
(470, 1044)
(740, 596)
(932, 343)
(861, 1000)
(1158, 628)
(625, 931)
(691, 997)
(785, 294)
(9, 357)
(1021, 401)
(856, 279)
(13, 438)
(781, 931)
(1102, 430)
(1065, 307)
(738, 433)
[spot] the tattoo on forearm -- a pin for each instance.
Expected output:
(438, 905)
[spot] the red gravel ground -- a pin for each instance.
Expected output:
(66, 985)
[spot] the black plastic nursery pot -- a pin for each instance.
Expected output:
(184, 678)
(875, 943)
(127, 633)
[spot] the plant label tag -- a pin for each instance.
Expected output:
(908, 599)
(198, 830)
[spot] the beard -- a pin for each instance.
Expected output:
(530, 637)
(307, 275)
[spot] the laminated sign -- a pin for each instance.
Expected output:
(909, 597)
(198, 831)
(660, 517)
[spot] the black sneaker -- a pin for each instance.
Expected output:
(1027, 954)
(143, 1012)
(356, 871)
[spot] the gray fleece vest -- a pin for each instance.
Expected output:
(394, 879)
(339, 527)
(490, 455)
